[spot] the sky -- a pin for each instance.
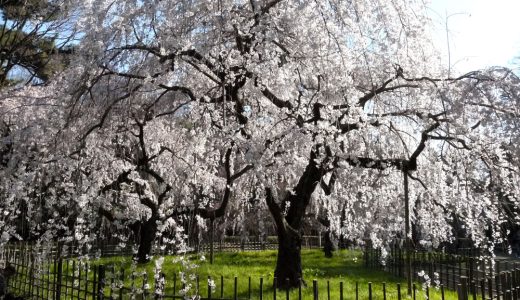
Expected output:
(481, 33)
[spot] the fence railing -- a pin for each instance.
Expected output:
(43, 274)
(487, 277)
(72, 279)
(227, 244)
(40, 274)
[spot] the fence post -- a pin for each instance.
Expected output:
(31, 271)
(517, 281)
(315, 289)
(474, 290)
(463, 295)
(94, 283)
(400, 261)
(503, 282)
(211, 240)
(483, 289)
(101, 282)
(497, 278)
(261, 296)
(57, 282)
(490, 286)
(235, 291)
(287, 287)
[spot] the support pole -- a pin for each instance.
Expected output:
(211, 239)
(407, 232)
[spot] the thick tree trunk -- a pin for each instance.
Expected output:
(289, 225)
(288, 270)
(147, 237)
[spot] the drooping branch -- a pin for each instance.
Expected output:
(422, 144)
(108, 110)
(212, 212)
(418, 180)
(401, 164)
(186, 91)
(450, 139)
(189, 53)
(444, 209)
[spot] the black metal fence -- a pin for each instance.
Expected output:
(226, 244)
(44, 273)
(41, 273)
(237, 244)
(468, 273)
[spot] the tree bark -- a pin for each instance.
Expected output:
(289, 226)
(288, 270)
(328, 245)
(147, 237)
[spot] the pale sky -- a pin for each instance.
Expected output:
(481, 33)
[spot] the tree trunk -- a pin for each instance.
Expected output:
(289, 225)
(289, 262)
(147, 237)
(328, 239)
(328, 245)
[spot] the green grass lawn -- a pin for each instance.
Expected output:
(346, 266)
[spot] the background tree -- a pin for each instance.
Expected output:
(35, 38)
(35, 41)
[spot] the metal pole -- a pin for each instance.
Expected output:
(211, 239)
(407, 232)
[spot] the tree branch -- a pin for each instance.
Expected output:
(275, 210)
(275, 100)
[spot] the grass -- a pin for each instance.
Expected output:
(346, 266)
